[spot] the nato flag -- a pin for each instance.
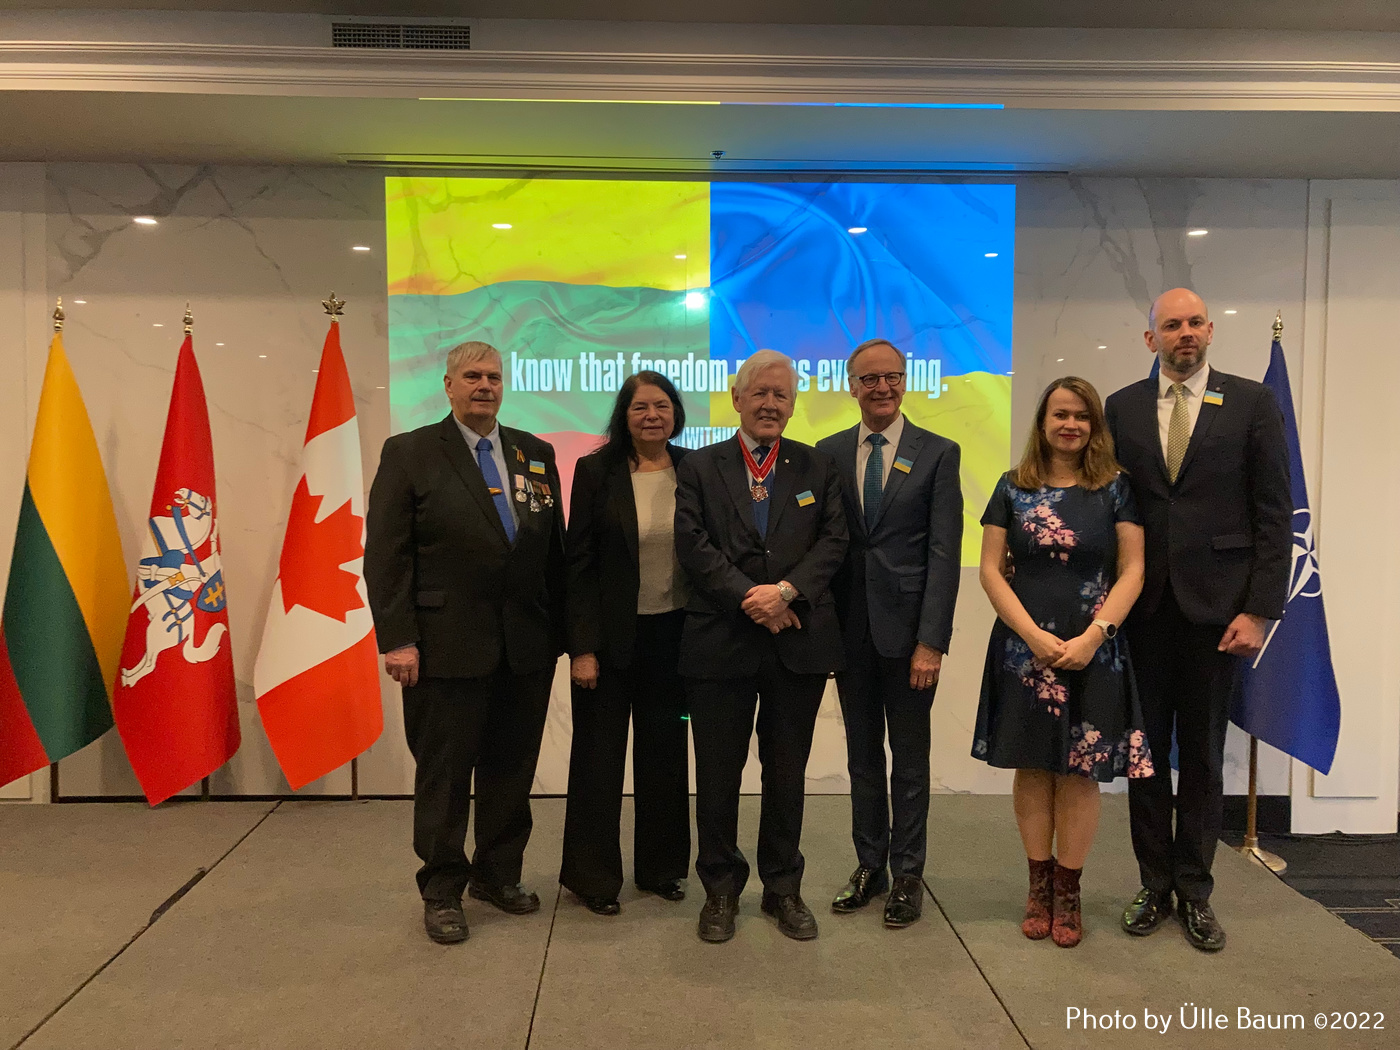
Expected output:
(1287, 696)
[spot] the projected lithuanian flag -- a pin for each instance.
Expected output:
(581, 283)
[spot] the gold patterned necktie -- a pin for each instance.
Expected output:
(1178, 432)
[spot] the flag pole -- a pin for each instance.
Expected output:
(189, 329)
(1251, 847)
(333, 307)
(58, 317)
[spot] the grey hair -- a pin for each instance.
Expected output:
(757, 363)
(466, 353)
(851, 361)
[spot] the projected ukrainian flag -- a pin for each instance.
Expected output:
(581, 283)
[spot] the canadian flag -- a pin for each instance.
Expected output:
(317, 675)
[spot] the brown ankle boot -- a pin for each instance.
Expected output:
(1068, 927)
(1036, 925)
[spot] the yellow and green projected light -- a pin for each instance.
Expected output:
(581, 283)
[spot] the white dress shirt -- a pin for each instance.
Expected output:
(892, 434)
(498, 453)
(1166, 401)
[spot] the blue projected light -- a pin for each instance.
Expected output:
(931, 270)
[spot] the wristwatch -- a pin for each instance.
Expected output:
(787, 591)
(1109, 629)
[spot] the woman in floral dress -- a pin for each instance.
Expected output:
(1058, 701)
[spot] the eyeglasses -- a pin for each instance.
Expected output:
(871, 380)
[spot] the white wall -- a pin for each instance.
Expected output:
(255, 249)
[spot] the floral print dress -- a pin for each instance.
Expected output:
(1064, 547)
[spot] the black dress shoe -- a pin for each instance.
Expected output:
(717, 919)
(905, 903)
(866, 884)
(516, 900)
(444, 921)
(1202, 928)
(795, 919)
(1148, 910)
(601, 905)
(669, 890)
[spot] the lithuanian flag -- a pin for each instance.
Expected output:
(66, 604)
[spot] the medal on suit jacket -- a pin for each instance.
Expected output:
(759, 491)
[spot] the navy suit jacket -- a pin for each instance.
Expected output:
(723, 554)
(1223, 534)
(901, 577)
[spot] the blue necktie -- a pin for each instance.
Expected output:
(760, 509)
(493, 481)
(874, 480)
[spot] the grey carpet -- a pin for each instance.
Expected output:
(1285, 954)
(310, 936)
(78, 881)
(643, 979)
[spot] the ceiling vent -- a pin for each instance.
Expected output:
(402, 35)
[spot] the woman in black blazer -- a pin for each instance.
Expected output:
(626, 607)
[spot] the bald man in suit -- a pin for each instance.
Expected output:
(1206, 457)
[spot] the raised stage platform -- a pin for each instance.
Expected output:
(306, 933)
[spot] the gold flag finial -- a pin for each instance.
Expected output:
(58, 315)
(333, 306)
(189, 318)
(1278, 327)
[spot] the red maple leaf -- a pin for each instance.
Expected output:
(312, 556)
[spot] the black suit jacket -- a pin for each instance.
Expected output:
(438, 568)
(901, 578)
(1223, 534)
(602, 547)
(723, 554)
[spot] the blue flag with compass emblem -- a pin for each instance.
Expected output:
(1288, 694)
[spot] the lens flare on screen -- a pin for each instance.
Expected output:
(594, 280)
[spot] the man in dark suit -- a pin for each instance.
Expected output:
(760, 532)
(464, 563)
(1206, 456)
(895, 596)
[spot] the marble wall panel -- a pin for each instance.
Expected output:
(254, 250)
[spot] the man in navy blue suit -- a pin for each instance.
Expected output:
(894, 595)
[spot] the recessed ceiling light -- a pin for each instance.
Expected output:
(500, 226)
(1011, 373)
(261, 356)
(144, 220)
(315, 370)
(1059, 360)
(1197, 233)
(80, 302)
(157, 325)
(218, 344)
(856, 229)
(990, 255)
(680, 256)
(1232, 311)
(1102, 346)
(694, 300)
(360, 248)
(379, 388)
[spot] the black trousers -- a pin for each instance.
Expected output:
(875, 694)
(456, 727)
(722, 721)
(651, 694)
(1185, 683)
